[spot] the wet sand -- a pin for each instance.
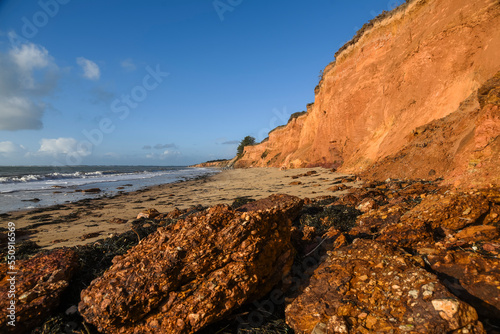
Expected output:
(89, 220)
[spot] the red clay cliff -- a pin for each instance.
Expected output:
(417, 68)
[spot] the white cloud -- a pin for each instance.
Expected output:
(128, 64)
(30, 56)
(62, 145)
(21, 89)
(168, 152)
(8, 147)
(164, 155)
(90, 69)
(18, 113)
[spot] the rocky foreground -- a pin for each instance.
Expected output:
(394, 256)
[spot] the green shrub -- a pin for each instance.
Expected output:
(296, 114)
(247, 141)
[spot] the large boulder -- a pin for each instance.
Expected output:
(369, 287)
(439, 217)
(457, 234)
(187, 275)
(472, 277)
(39, 283)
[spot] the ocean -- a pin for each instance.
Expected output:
(29, 187)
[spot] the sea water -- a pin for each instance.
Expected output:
(28, 187)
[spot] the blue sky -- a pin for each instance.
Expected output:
(151, 82)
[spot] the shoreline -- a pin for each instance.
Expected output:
(39, 187)
(88, 220)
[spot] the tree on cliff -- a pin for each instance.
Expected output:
(247, 141)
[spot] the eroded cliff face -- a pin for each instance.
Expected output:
(463, 148)
(415, 66)
(216, 163)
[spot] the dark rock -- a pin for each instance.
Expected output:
(239, 201)
(34, 200)
(91, 191)
(341, 217)
(90, 235)
(194, 272)
(118, 221)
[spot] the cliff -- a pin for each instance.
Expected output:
(418, 66)
(221, 163)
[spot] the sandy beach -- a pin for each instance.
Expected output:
(89, 220)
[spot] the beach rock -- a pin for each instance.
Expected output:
(174, 214)
(367, 204)
(118, 221)
(357, 196)
(308, 173)
(240, 201)
(189, 274)
(448, 217)
(148, 214)
(40, 282)
(90, 235)
(471, 276)
(337, 187)
(295, 183)
(91, 191)
(334, 239)
(453, 211)
(34, 200)
(369, 287)
(348, 179)
(477, 234)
